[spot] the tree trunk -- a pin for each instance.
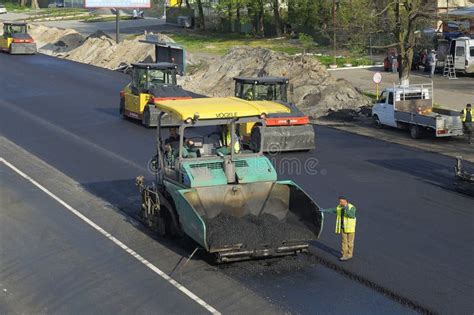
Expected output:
(405, 64)
(202, 25)
(261, 19)
(277, 17)
(229, 16)
(34, 4)
(22, 3)
(237, 18)
(405, 67)
(253, 18)
(188, 6)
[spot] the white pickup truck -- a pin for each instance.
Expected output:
(412, 108)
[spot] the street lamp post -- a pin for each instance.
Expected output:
(447, 11)
(334, 30)
(335, 4)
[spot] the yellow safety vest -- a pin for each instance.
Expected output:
(228, 141)
(349, 223)
(464, 113)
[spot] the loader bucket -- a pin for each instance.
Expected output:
(247, 221)
(283, 138)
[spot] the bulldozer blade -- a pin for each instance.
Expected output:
(283, 138)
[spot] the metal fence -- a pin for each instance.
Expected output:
(73, 3)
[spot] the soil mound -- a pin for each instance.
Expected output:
(315, 91)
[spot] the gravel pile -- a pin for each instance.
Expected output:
(253, 231)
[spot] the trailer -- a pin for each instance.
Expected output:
(412, 108)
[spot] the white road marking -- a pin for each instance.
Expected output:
(130, 251)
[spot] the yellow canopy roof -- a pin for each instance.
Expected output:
(218, 108)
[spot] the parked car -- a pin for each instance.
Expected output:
(138, 14)
(56, 4)
(3, 10)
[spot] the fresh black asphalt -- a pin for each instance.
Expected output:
(50, 265)
(414, 235)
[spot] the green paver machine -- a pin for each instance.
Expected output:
(225, 198)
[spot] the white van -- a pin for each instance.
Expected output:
(462, 50)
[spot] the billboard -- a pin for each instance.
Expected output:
(120, 4)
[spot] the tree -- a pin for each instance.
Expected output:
(277, 17)
(256, 14)
(355, 23)
(310, 17)
(34, 4)
(202, 24)
(238, 19)
(410, 15)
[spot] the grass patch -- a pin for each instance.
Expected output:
(220, 44)
(94, 19)
(14, 7)
(355, 61)
(58, 14)
(54, 12)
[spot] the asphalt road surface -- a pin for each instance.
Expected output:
(49, 265)
(414, 236)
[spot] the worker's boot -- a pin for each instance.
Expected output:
(344, 258)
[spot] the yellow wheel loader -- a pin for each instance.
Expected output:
(223, 197)
(16, 40)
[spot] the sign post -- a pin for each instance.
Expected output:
(117, 28)
(377, 78)
(117, 5)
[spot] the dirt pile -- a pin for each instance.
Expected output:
(97, 49)
(315, 91)
(55, 41)
(100, 50)
(253, 231)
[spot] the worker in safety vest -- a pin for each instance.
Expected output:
(249, 94)
(345, 225)
(226, 142)
(467, 121)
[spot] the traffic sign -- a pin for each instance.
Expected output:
(377, 77)
(119, 4)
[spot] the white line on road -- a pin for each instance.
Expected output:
(116, 241)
